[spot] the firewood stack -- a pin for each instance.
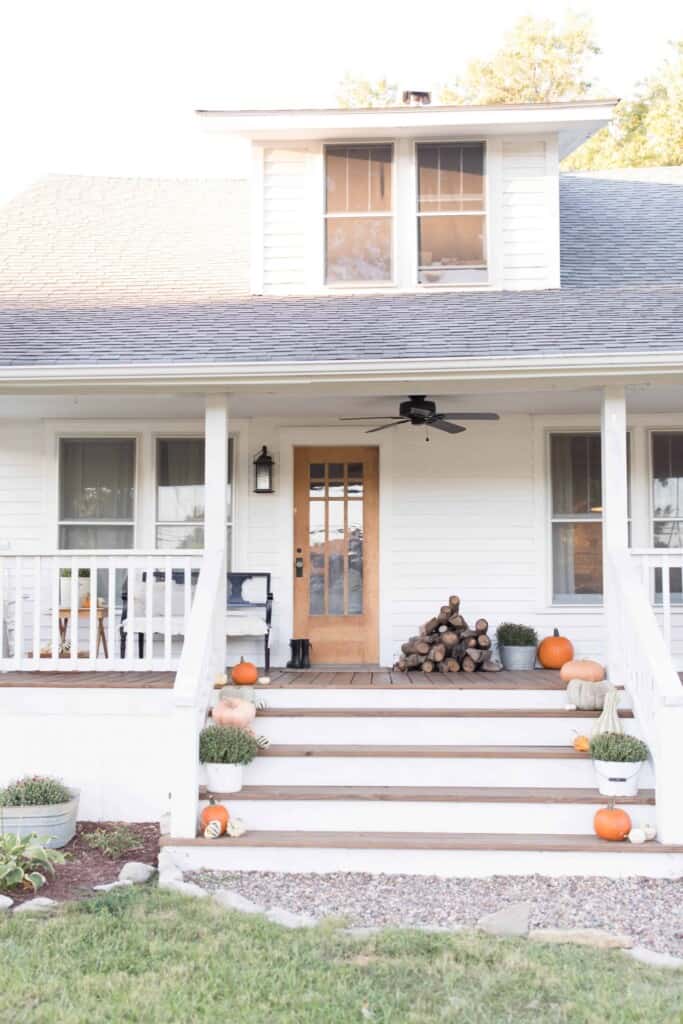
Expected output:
(447, 644)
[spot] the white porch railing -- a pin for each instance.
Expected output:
(647, 672)
(203, 658)
(656, 566)
(63, 612)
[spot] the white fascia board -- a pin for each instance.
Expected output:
(282, 376)
(573, 121)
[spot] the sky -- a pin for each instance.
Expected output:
(110, 88)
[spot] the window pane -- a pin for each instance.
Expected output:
(358, 179)
(575, 469)
(107, 537)
(355, 542)
(451, 241)
(450, 177)
(577, 562)
(667, 484)
(358, 249)
(177, 537)
(97, 478)
(180, 480)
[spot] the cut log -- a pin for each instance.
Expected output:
(449, 639)
(422, 646)
(470, 643)
(427, 665)
(476, 655)
(437, 653)
(454, 602)
(481, 626)
(431, 626)
(450, 665)
(484, 641)
(492, 665)
(457, 622)
(413, 661)
(400, 665)
(467, 664)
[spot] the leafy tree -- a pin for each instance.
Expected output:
(364, 92)
(647, 130)
(539, 62)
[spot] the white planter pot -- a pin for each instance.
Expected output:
(518, 658)
(223, 778)
(58, 821)
(617, 778)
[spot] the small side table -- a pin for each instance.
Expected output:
(65, 615)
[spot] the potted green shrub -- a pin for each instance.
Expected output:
(38, 804)
(517, 646)
(617, 760)
(224, 750)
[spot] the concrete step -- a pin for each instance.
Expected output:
(425, 809)
(436, 853)
(424, 765)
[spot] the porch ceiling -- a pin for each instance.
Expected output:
(318, 405)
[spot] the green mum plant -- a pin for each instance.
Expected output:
(226, 744)
(34, 790)
(27, 861)
(511, 634)
(615, 746)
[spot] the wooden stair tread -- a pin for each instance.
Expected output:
(428, 841)
(423, 794)
(393, 750)
(432, 713)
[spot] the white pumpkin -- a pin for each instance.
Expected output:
(236, 828)
(609, 720)
(586, 696)
(637, 836)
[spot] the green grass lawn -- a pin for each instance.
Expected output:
(149, 956)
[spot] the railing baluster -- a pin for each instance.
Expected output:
(666, 600)
(132, 641)
(19, 612)
(4, 649)
(149, 612)
(111, 609)
(37, 605)
(168, 609)
(55, 577)
(74, 609)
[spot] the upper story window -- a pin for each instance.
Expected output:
(451, 213)
(358, 214)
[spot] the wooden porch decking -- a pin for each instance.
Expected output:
(538, 679)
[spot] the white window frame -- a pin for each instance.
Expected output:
(336, 286)
(486, 213)
(232, 462)
(87, 435)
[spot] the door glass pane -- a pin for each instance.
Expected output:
(335, 484)
(335, 558)
(355, 557)
(317, 557)
(355, 485)
(358, 249)
(96, 478)
(180, 480)
(317, 480)
(577, 562)
(667, 483)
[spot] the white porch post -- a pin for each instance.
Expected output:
(614, 508)
(216, 428)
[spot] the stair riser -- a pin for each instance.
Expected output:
(425, 771)
(443, 863)
(417, 731)
(437, 816)
(355, 697)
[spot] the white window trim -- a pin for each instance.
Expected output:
(144, 435)
(346, 286)
(450, 285)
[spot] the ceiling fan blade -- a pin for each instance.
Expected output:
(450, 428)
(395, 423)
(468, 415)
(358, 419)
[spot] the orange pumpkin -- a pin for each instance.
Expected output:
(555, 650)
(586, 670)
(244, 674)
(582, 743)
(612, 823)
(215, 812)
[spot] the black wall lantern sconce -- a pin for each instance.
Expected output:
(263, 472)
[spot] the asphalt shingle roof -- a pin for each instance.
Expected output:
(156, 272)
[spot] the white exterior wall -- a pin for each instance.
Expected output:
(22, 484)
(523, 228)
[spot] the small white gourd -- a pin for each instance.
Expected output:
(637, 836)
(213, 830)
(650, 832)
(609, 720)
(586, 696)
(236, 828)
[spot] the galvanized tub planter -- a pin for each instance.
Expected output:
(58, 821)
(517, 658)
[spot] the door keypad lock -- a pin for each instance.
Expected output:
(299, 564)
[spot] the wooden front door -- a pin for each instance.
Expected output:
(336, 525)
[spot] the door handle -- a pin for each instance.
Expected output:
(299, 564)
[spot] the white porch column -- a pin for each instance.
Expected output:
(216, 425)
(614, 506)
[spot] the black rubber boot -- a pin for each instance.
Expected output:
(295, 658)
(305, 653)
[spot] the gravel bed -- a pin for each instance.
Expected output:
(649, 910)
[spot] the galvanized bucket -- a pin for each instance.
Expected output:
(518, 658)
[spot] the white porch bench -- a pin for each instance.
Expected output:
(249, 608)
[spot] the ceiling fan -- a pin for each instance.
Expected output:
(420, 412)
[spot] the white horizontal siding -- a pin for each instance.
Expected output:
(284, 219)
(21, 484)
(529, 252)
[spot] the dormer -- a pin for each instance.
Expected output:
(410, 198)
